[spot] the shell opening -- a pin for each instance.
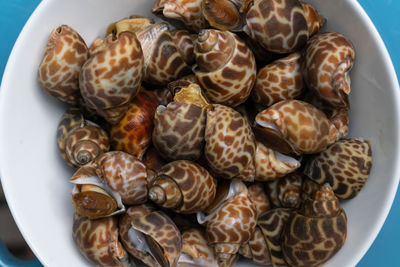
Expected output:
(283, 158)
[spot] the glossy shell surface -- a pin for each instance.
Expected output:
(279, 26)
(64, 55)
(345, 165)
(230, 144)
(328, 58)
(226, 67)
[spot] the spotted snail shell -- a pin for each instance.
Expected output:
(91, 197)
(232, 221)
(184, 43)
(230, 144)
(111, 77)
(286, 192)
(180, 126)
(279, 26)
(188, 12)
(132, 134)
(315, 20)
(183, 186)
(345, 165)
(271, 165)
(97, 240)
(153, 160)
(226, 67)
(328, 59)
(279, 80)
(151, 236)
(316, 232)
(79, 141)
(294, 126)
(259, 198)
(195, 249)
(62, 61)
(272, 224)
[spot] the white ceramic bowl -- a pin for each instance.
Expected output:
(35, 178)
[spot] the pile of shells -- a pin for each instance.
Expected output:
(221, 137)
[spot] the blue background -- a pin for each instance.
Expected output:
(384, 13)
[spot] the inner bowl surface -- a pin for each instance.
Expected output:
(35, 178)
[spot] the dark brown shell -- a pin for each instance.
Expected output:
(345, 165)
(286, 192)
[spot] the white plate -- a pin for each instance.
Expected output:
(35, 179)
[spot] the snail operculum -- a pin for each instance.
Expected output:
(64, 55)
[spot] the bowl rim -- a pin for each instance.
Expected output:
(387, 61)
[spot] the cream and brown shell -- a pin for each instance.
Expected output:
(80, 141)
(345, 165)
(226, 67)
(316, 232)
(64, 55)
(230, 144)
(286, 192)
(279, 26)
(328, 59)
(184, 186)
(111, 77)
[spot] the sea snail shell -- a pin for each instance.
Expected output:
(279, 80)
(150, 236)
(62, 61)
(89, 236)
(286, 192)
(133, 133)
(328, 58)
(183, 186)
(79, 141)
(315, 21)
(345, 165)
(230, 144)
(294, 126)
(180, 126)
(226, 67)
(231, 221)
(316, 232)
(111, 77)
(279, 26)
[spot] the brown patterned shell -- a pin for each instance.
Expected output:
(257, 248)
(279, 26)
(184, 43)
(259, 197)
(271, 165)
(230, 144)
(125, 231)
(111, 77)
(186, 11)
(223, 15)
(315, 20)
(184, 186)
(153, 160)
(232, 223)
(62, 61)
(195, 249)
(124, 174)
(272, 224)
(179, 131)
(279, 80)
(328, 58)
(97, 240)
(286, 192)
(295, 126)
(345, 165)
(316, 232)
(161, 235)
(162, 60)
(133, 133)
(226, 67)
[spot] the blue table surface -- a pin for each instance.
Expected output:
(385, 249)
